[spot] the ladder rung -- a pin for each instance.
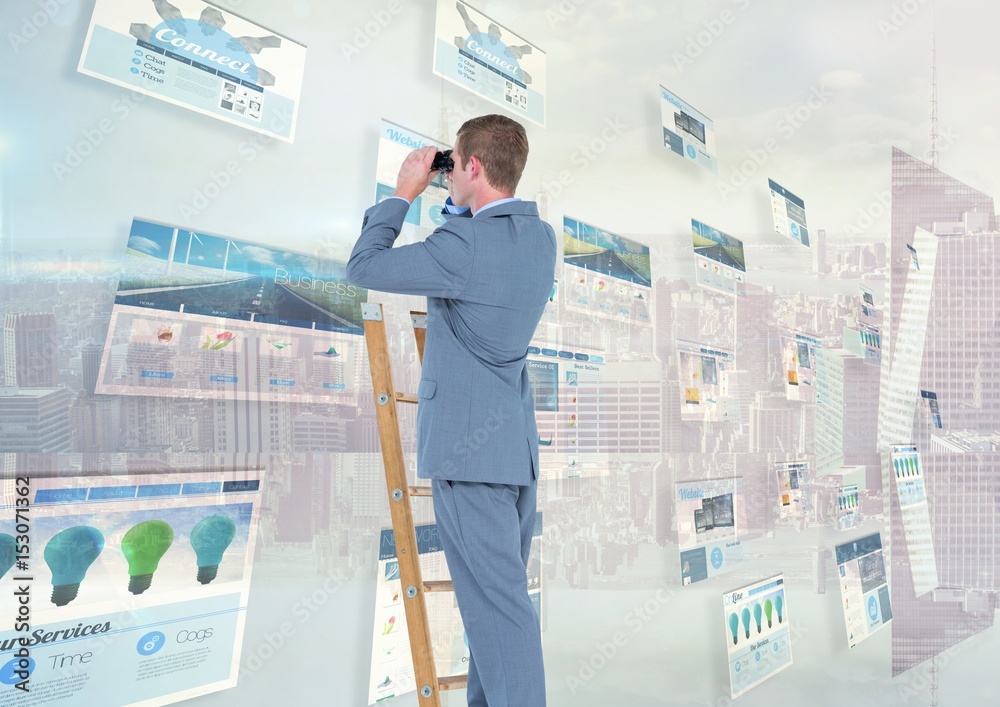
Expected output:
(406, 398)
(455, 682)
(443, 586)
(420, 490)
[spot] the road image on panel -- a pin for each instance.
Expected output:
(720, 263)
(606, 275)
(204, 316)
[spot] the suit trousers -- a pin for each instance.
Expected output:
(486, 531)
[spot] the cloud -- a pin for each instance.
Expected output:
(257, 254)
(144, 245)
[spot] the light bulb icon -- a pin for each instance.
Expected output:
(143, 546)
(745, 615)
(757, 611)
(768, 607)
(69, 554)
(7, 553)
(778, 602)
(210, 538)
(734, 627)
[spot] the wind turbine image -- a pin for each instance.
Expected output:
(225, 261)
(191, 236)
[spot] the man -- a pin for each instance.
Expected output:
(487, 273)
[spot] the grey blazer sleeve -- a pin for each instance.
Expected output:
(439, 266)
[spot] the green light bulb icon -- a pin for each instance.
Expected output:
(210, 538)
(7, 553)
(69, 554)
(734, 627)
(768, 608)
(143, 546)
(745, 615)
(757, 611)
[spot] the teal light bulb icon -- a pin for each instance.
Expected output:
(143, 546)
(7, 553)
(210, 538)
(734, 627)
(768, 608)
(69, 554)
(757, 611)
(745, 615)
(778, 603)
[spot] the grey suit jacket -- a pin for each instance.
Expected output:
(487, 280)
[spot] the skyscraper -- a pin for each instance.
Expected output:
(30, 350)
(943, 313)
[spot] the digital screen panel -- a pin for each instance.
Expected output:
(864, 589)
(704, 382)
(792, 478)
(424, 215)
(710, 524)
(720, 263)
(933, 409)
(908, 478)
(204, 316)
(798, 360)
(477, 53)
(606, 275)
(789, 213)
(758, 639)
(202, 57)
(122, 572)
(687, 132)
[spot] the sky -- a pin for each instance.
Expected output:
(858, 74)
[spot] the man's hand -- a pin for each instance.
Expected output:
(415, 175)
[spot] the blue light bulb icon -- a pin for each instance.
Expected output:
(734, 627)
(7, 553)
(210, 538)
(745, 615)
(69, 554)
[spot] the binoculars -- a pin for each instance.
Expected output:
(443, 162)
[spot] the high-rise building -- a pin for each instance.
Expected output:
(30, 350)
(774, 423)
(921, 195)
(90, 356)
(846, 412)
(35, 420)
(942, 316)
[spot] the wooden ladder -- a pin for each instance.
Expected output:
(429, 685)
